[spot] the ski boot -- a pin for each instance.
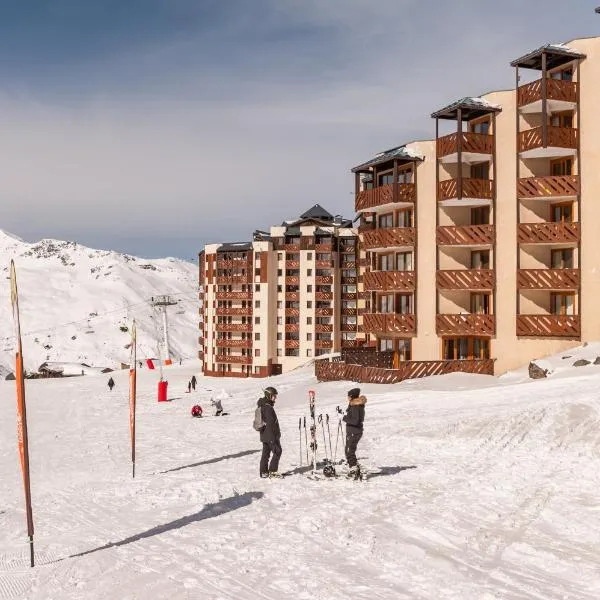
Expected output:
(274, 475)
(264, 475)
(354, 473)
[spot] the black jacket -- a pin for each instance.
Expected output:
(270, 432)
(355, 415)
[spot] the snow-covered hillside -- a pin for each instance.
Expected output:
(76, 303)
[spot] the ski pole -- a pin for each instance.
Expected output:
(329, 435)
(324, 442)
(306, 441)
(300, 437)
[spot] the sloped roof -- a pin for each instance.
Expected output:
(317, 212)
(234, 246)
(397, 153)
(556, 55)
(471, 108)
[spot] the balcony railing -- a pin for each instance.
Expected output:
(324, 296)
(388, 237)
(465, 324)
(234, 295)
(556, 89)
(292, 327)
(233, 358)
(324, 312)
(320, 328)
(324, 264)
(555, 186)
(388, 281)
(467, 235)
(323, 344)
(233, 327)
(389, 323)
(292, 343)
(292, 296)
(234, 264)
(234, 312)
(292, 280)
(223, 343)
(324, 247)
(233, 279)
(548, 279)
(384, 195)
(348, 327)
(476, 143)
(558, 137)
(292, 312)
(465, 279)
(549, 233)
(292, 264)
(549, 326)
(323, 279)
(471, 188)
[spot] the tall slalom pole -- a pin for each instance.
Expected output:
(132, 391)
(21, 409)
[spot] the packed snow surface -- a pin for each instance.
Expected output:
(481, 488)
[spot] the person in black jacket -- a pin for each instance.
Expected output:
(354, 417)
(270, 435)
(111, 384)
(193, 382)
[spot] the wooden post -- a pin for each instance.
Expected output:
(416, 249)
(577, 123)
(518, 170)
(459, 139)
(494, 219)
(437, 210)
(544, 100)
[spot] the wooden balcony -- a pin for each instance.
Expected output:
(467, 235)
(233, 327)
(233, 343)
(292, 264)
(233, 295)
(548, 279)
(292, 296)
(384, 194)
(234, 312)
(348, 312)
(292, 327)
(234, 279)
(324, 296)
(549, 233)
(469, 324)
(472, 143)
(324, 280)
(556, 89)
(399, 237)
(289, 247)
(292, 343)
(234, 264)
(233, 359)
(348, 296)
(292, 312)
(549, 326)
(348, 327)
(558, 138)
(389, 323)
(466, 279)
(323, 248)
(324, 312)
(471, 188)
(350, 343)
(348, 280)
(389, 281)
(323, 344)
(319, 328)
(349, 264)
(324, 264)
(555, 186)
(292, 280)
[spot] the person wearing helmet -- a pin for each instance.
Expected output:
(354, 417)
(270, 435)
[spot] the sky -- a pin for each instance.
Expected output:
(154, 127)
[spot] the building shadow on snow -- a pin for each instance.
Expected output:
(211, 461)
(208, 512)
(390, 471)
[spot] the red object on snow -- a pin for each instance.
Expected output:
(162, 391)
(150, 363)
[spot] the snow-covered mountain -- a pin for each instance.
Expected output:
(77, 304)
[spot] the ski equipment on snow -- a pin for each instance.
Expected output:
(300, 437)
(306, 441)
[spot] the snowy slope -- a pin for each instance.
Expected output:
(488, 489)
(74, 300)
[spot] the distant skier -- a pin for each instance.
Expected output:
(218, 405)
(354, 417)
(140, 364)
(111, 384)
(270, 434)
(194, 382)
(189, 386)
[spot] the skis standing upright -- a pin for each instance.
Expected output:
(313, 429)
(132, 392)
(21, 409)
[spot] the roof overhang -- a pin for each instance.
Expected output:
(400, 153)
(471, 108)
(235, 247)
(556, 56)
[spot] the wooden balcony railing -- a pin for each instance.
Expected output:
(292, 296)
(555, 186)
(323, 279)
(324, 264)
(233, 343)
(322, 248)
(292, 343)
(320, 328)
(476, 143)
(234, 312)
(233, 327)
(556, 89)
(289, 247)
(348, 312)
(324, 296)
(350, 343)
(385, 195)
(558, 137)
(234, 279)
(348, 296)
(389, 281)
(349, 264)
(348, 280)
(471, 188)
(324, 312)
(292, 280)
(234, 359)
(233, 295)
(234, 264)
(292, 312)
(292, 264)
(323, 344)
(549, 326)
(469, 324)
(548, 279)
(549, 233)
(466, 279)
(389, 323)
(348, 327)
(292, 327)
(467, 235)
(388, 237)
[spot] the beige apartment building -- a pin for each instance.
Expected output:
(275, 303)
(483, 242)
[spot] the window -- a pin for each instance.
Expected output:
(309, 304)
(480, 215)
(256, 370)
(257, 304)
(386, 345)
(386, 220)
(280, 256)
(562, 304)
(309, 288)
(466, 348)
(309, 320)
(562, 213)
(386, 262)
(279, 304)
(480, 126)
(256, 272)
(480, 304)
(562, 259)
(309, 256)
(279, 352)
(405, 174)
(279, 288)
(564, 74)
(480, 259)
(404, 261)
(561, 166)
(257, 320)
(404, 304)
(386, 178)
(404, 349)
(279, 321)
(309, 352)
(562, 119)
(386, 303)
(309, 337)
(308, 272)
(279, 272)
(480, 170)
(257, 287)
(279, 336)
(405, 218)
(257, 336)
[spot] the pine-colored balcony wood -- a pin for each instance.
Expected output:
(350, 343)
(292, 343)
(234, 295)
(389, 323)
(323, 248)
(234, 279)
(549, 326)
(324, 312)
(233, 343)
(389, 281)
(347, 249)
(465, 279)
(383, 195)
(323, 279)
(364, 263)
(292, 280)
(348, 296)
(348, 280)
(292, 312)
(549, 233)
(234, 264)
(348, 265)
(324, 344)
(324, 264)
(467, 235)
(364, 295)
(323, 296)
(348, 327)
(290, 247)
(234, 312)
(469, 324)
(553, 187)
(387, 237)
(319, 328)
(558, 138)
(472, 143)
(233, 327)
(556, 89)
(548, 279)
(348, 312)
(233, 359)
(471, 188)
(292, 327)
(292, 264)
(292, 296)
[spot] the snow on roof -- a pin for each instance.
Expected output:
(471, 107)
(397, 153)
(556, 55)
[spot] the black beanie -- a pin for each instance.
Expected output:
(354, 393)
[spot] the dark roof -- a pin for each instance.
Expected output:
(235, 246)
(556, 55)
(398, 153)
(317, 212)
(471, 108)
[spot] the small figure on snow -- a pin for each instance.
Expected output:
(270, 434)
(218, 405)
(193, 382)
(140, 364)
(196, 410)
(354, 417)
(111, 384)
(189, 387)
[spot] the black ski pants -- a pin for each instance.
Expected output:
(274, 449)
(352, 439)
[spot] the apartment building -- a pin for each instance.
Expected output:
(480, 243)
(273, 304)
